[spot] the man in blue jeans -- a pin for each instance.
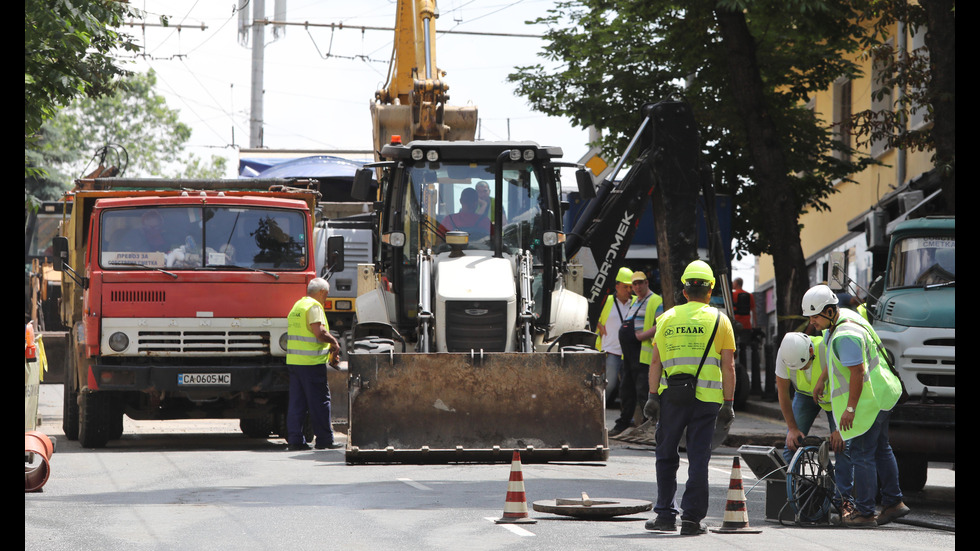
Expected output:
(863, 392)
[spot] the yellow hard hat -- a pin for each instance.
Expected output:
(700, 271)
(625, 275)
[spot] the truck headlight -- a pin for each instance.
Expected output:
(528, 154)
(283, 340)
(118, 341)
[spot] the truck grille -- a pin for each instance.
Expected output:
(138, 296)
(476, 325)
(202, 343)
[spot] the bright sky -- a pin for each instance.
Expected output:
(318, 82)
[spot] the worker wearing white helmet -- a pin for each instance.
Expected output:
(799, 364)
(863, 391)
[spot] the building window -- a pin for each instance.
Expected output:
(881, 95)
(842, 118)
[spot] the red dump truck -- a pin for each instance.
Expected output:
(175, 293)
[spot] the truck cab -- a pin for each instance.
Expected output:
(915, 317)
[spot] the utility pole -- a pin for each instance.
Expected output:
(258, 73)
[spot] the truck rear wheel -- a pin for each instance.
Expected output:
(97, 419)
(69, 415)
(258, 427)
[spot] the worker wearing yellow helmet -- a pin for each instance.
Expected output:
(612, 316)
(694, 344)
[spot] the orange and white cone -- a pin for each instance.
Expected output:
(736, 519)
(515, 508)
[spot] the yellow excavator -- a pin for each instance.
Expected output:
(412, 103)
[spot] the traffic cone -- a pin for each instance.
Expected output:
(736, 519)
(515, 508)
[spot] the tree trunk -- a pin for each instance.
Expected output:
(770, 172)
(941, 42)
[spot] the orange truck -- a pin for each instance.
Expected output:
(175, 293)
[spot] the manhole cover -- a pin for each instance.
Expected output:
(592, 508)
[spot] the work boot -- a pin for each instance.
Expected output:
(893, 512)
(692, 528)
(854, 519)
(661, 524)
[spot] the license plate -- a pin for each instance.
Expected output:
(203, 379)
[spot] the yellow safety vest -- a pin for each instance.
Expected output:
(682, 335)
(303, 347)
(649, 318)
(881, 389)
(806, 378)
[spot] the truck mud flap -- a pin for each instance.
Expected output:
(457, 407)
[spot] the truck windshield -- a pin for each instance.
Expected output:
(445, 197)
(919, 261)
(196, 237)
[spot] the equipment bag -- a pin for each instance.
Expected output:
(627, 335)
(682, 387)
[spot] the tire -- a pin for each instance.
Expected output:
(257, 427)
(912, 472)
(96, 419)
(374, 345)
(69, 412)
(283, 431)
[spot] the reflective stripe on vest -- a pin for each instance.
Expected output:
(681, 352)
(646, 346)
(303, 348)
(881, 388)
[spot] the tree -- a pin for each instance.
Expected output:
(132, 129)
(68, 52)
(137, 120)
(927, 78)
(746, 67)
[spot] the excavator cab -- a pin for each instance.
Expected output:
(451, 357)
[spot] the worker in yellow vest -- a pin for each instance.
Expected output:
(636, 340)
(863, 391)
(799, 364)
(310, 346)
(693, 366)
(610, 319)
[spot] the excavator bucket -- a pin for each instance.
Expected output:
(458, 407)
(459, 123)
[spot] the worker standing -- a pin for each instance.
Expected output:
(694, 363)
(743, 303)
(310, 345)
(612, 316)
(635, 336)
(863, 392)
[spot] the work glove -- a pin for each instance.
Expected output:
(726, 415)
(651, 410)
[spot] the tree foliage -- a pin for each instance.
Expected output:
(69, 49)
(132, 129)
(614, 55)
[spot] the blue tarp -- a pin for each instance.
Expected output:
(316, 166)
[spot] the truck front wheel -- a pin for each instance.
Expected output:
(69, 415)
(97, 419)
(912, 472)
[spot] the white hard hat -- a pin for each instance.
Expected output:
(818, 298)
(795, 350)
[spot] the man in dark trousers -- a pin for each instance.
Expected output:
(697, 341)
(309, 348)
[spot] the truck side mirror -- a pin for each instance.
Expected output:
(586, 189)
(361, 189)
(60, 247)
(335, 253)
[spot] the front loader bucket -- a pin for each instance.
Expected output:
(454, 407)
